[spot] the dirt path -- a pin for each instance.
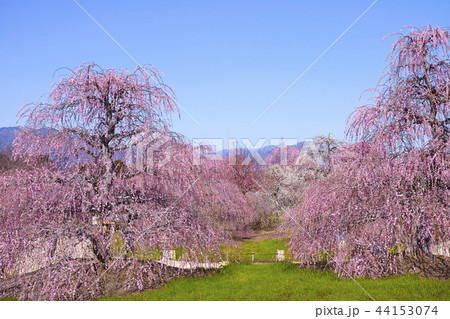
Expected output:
(263, 235)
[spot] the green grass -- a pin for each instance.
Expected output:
(264, 250)
(283, 281)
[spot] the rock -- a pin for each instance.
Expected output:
(442, 249)
(40, 255)
(35, 258)
(74, 249)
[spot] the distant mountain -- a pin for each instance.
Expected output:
(7, 136)
(264, 151)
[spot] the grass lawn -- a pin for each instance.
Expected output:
(264, 250)
(286, 281)
(283, 281)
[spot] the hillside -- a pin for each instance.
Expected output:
(7, 136)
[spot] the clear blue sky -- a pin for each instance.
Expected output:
(227, 60)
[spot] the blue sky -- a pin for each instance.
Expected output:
(227, 60)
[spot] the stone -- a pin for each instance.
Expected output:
(38, 256)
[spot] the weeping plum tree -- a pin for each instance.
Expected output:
(91, 117)
(319, 152)
(410, 122)
(287, 175)
(244, 170)
(92, 114)
(387, 195)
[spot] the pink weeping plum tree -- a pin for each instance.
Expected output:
(283, 155)
(80, 209)
(244, 170)
(288, 173)
(387, 195)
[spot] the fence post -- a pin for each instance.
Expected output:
(280, 255)
(253, 256)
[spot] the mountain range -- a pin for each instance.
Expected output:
(264, 151)
(8, 134)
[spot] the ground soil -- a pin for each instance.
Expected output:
(428, 266)
(260, 235)
(263, 235)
